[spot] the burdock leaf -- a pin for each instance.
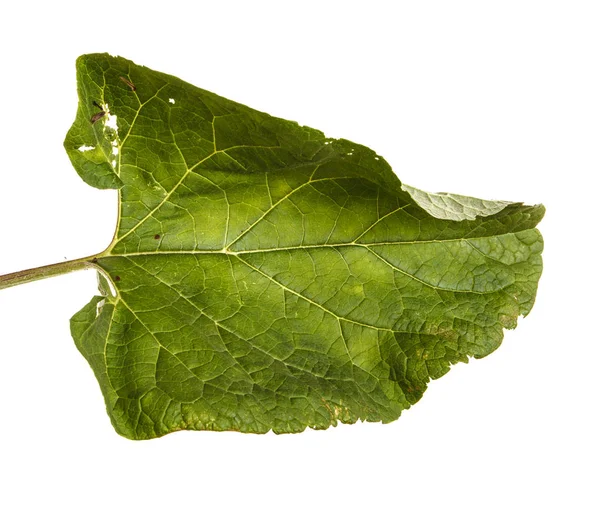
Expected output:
(265, 277)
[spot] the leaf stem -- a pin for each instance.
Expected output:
(39, 273)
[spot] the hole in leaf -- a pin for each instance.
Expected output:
(111, 120)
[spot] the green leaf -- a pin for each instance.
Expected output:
(265, 277)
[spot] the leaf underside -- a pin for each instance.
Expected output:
(266, 277)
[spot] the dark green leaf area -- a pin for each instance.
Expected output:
(265, 277)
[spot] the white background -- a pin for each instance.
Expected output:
(491, 99)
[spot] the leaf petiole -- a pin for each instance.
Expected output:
(40, 273)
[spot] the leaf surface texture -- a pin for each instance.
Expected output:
(266, 277)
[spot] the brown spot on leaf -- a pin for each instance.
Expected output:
(117, 278)
(96, 117)
(157, 236)
(128, 83)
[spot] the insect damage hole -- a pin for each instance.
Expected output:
(85, 148)
(111, 131)
(171, 100)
